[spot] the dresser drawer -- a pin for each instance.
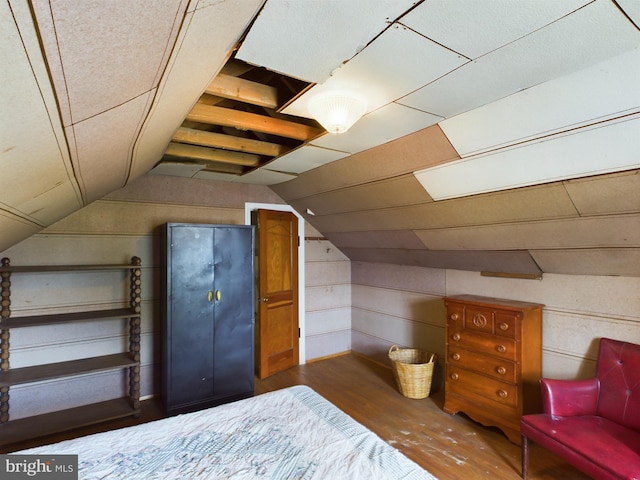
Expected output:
(504, 370)
(478, 319)
(464, 382)
(486, 344)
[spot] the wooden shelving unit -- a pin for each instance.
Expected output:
(12, 431)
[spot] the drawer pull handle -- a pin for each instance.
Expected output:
(503, 393)
(456, 356)
(454, 316)
(503, 326)
(479, 320)
(501, 370)
(456, 336)
(501, 348)
(454, 376)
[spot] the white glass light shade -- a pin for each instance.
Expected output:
(337, 112)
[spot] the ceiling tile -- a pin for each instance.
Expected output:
(101, 147)
(476, 261)
(317, 36)
(305, 158)
(257, 177)
(31, 139)
(385, 124)
(594, 94)
(398, 157)
(176, 169)
(570, 44)
(396, 63)
(614, 193)
(613, 231)
(395, 191)
(371, 239)
(113, 38)
(611, 147)
(590, 261)
(476, 28)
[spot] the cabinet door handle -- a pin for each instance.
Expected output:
(209, 295)
(218, 295)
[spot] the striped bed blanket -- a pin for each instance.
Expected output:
(289, 434)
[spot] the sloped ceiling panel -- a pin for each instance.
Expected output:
(602, 92)
(488, 261)
(607, 194)
(338, 31)
(208, 36)
(590, 35)
(32, 145)
(421, 149)
(591, 261)
(105, 62)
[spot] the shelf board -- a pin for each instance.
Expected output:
(64, 268)
(56, 318)
(52, 371)
(63, 420)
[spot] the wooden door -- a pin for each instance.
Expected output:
(277, 329)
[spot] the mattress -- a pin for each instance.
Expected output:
(293, 433)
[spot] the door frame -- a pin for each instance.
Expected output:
(250, 207)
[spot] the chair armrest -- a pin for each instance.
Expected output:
(567, 398)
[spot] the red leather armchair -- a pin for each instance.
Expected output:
(593, 424)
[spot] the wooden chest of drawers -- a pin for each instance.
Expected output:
(493, 360)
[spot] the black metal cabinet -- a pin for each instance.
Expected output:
(207, 315)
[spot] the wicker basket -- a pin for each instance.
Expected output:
(413, 370)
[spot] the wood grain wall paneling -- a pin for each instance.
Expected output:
(606, 194)
(405, 239)
(515, 261)
(419, 150)
(590, 261)
(609, 231)
(397, 191)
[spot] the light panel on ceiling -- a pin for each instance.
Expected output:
(385, 124)
(603, 91)
(389, 68)
(588, 151)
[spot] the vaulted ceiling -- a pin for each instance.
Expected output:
(459, 92)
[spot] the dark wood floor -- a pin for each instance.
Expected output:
(451, 447)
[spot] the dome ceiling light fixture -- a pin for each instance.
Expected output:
(337, 111)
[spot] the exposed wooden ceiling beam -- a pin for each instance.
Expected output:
(250, 121)
(246, 91)
(228, 142)
(205, 154)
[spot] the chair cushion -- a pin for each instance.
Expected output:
(595, 445)
(619, 373)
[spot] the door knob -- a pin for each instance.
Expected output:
(265, 299)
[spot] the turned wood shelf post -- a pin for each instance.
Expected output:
(5, 312)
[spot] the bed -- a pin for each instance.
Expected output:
(293, 433)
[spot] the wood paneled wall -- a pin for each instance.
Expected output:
(113, 229)
(403, 305)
